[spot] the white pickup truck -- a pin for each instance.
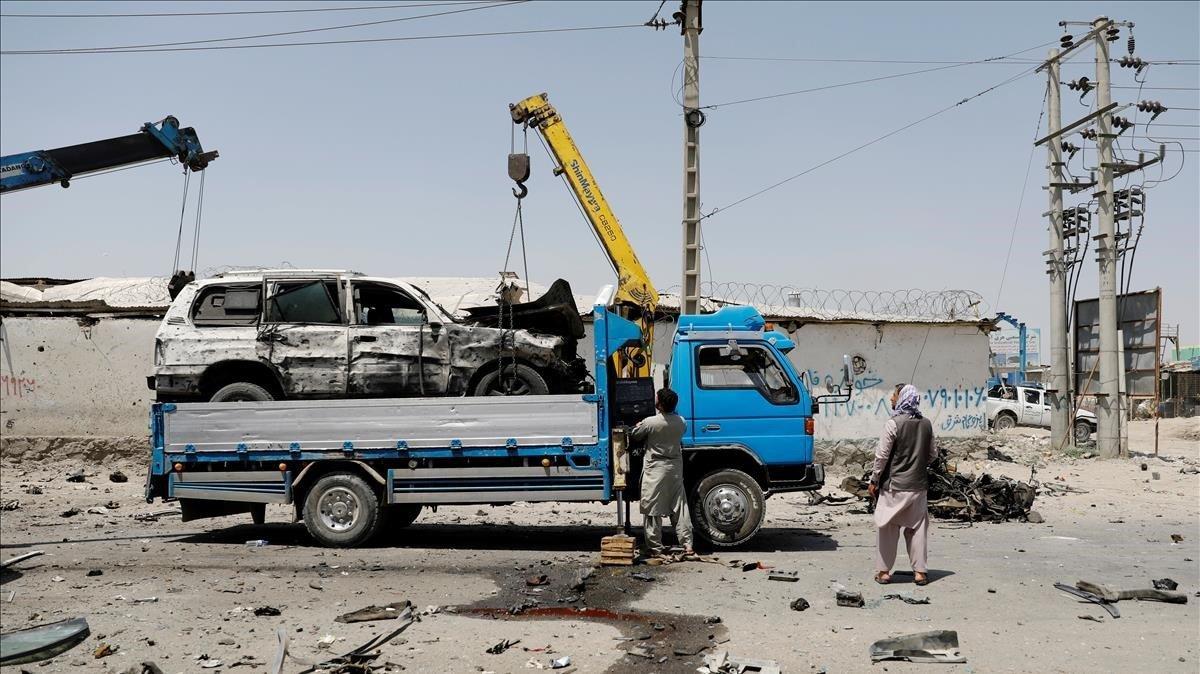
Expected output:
(1010, 406)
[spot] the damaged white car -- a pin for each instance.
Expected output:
(286, 334)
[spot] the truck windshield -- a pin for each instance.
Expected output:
(749, 367)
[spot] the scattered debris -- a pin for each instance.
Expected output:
(936, 646)
(817, 498)
(618, 550)
(644, 577)
(1176, 538)
(1165, 584)
(518, 609)
(42, 642)
(146, 667)
(503, 646)
(10, 505)
(316, 585)
(1111, 595)
(785, 576)
(77, 476)
(1034, 517)
(848, 598)
(909, 599)
(354, 661)
(749, 566)
(117, 476)
(20, 558)
(1088, 596)
(994, 454)
(257, 543)
(799, 604)
(722, 662)
(267, 611)
(1093, 618)
(400, 609)
(103, 651)
(34, 490)
(540, 579)
(581, 578)
(326, 641)
(151, 517)
(953, 495)
(97, 510)
(564, 661)
(145, 600)
(70, 512)
(685, 651)
(95, 572)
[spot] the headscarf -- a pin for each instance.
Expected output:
(909, 401)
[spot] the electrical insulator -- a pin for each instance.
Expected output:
(1130, 44)
(1135, 62)
(1070, 149)
(1156, 108)
(1082, 84)
(1112, 34)
(1066, 41)
(1088, 134)
(1121, 124)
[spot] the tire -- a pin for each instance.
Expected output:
(523, 381)
(1004, 422)
(341, 510)
(1083, 432)
(240, 391)
(727, 508)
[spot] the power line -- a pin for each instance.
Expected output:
(873, 79)
(1026, 72)
(851, 60)
(450, 36)
(1155, 88)
(1012, 237)
(233, 13)
(264, 35)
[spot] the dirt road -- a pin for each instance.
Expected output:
(170, 592)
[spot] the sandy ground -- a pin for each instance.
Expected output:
(991, 582)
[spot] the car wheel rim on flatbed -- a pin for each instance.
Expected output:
(338, 509)
(726, 506)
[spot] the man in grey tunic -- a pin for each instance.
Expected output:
(662, 474)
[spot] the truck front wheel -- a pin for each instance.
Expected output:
(727, 508)
(1004, 422)
(341, 510)
(1083, 432)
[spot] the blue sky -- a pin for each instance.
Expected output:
(390, 158)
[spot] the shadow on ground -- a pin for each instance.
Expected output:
(574, 538)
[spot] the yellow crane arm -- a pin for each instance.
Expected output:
(633, 283)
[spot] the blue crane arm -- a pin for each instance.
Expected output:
(153, 141)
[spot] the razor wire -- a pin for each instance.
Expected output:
(834, 303)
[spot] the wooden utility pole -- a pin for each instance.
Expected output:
(693, 119)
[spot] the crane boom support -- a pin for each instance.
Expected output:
(154, 141)
(633, 283)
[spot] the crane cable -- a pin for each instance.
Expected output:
(187, 179)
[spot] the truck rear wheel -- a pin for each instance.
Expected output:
(1004, 421)
(727, 508)
(341, 510)
(241, 391)
(1083, 432)
(521, 380)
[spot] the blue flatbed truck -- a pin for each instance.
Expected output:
(353, 467)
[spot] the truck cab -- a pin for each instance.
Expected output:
(750, 420)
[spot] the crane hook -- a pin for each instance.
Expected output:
(523, 193)
(518, 170)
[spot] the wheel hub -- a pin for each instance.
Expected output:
(726, 506)
(338, 508)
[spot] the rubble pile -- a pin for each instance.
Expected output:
(954, 495)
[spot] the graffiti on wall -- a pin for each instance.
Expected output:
(952, 409)
(18, 387)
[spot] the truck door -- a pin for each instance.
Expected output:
(394, 350)
(743, 396)
(303, 335)
(1032, 412)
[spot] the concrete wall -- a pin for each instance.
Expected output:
(75, 376)
(70, 377)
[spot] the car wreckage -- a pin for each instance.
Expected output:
(303, 334)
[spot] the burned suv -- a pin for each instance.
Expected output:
(266, 335)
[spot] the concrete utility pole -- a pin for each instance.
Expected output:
(693, 119)
(1059, 392)
(1108, 407)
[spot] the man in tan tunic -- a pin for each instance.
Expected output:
(899, 478)
(662, 474)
